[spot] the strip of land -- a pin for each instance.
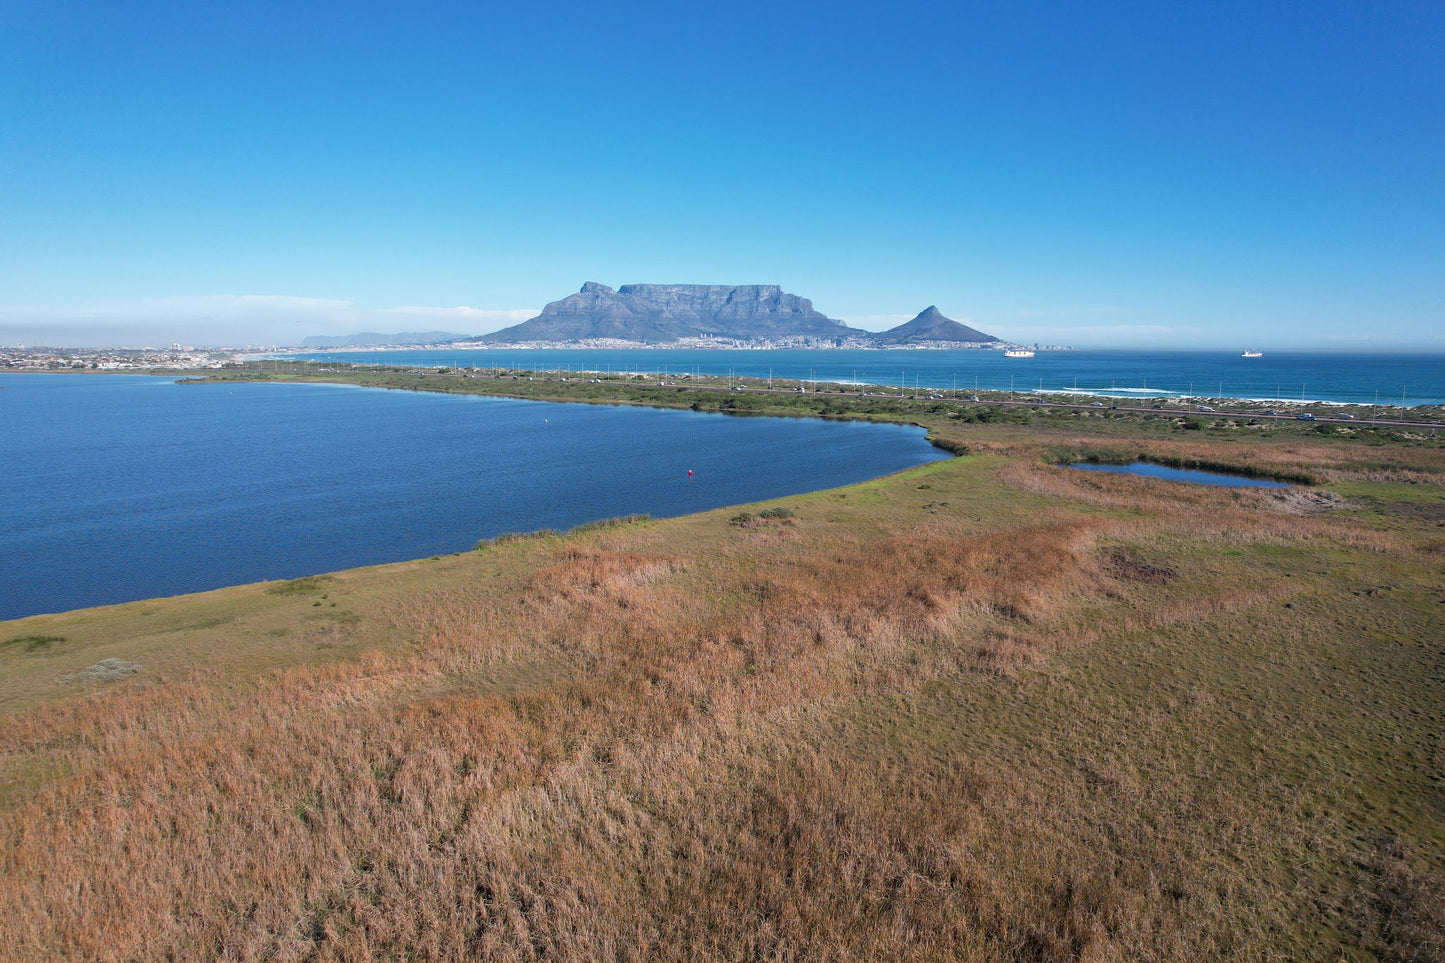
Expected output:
(988, 708)
(741, 395)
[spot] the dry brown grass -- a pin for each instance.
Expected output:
(655, 750)
(260, 814)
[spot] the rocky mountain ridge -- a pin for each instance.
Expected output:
(660, 313)
(664, 313)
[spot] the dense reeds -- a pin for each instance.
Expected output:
(745, 750)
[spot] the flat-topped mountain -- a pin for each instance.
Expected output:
(660, 313)
(931, 325)
(664, 313)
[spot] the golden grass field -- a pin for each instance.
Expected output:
(986, 709)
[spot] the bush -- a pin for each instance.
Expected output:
(605, 523)
(31, 643)
(506, 538)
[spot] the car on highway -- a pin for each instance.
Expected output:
(1205, 408)
(1304, 416)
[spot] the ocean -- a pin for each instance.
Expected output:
(1387, 379)
(124, 487)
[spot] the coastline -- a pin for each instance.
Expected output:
(922, 412)
(687, 390)
(442, 517)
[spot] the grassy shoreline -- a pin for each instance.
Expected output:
(985, 708)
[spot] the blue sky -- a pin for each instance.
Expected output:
(1110, 174)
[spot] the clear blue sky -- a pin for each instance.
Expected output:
(1199, 174)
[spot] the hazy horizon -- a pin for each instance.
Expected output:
(235, 322)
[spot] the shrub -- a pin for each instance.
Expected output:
(299, 586)
(605, 523)
(507, 538)
(31, 643)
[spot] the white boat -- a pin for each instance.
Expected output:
(1018, 353)
(1253, 354)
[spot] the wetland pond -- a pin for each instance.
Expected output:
(1193, 476)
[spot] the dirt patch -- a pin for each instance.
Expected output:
(1306, 501)
(106, 670)
(1131, 568)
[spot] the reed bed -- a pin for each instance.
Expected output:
(840, 743)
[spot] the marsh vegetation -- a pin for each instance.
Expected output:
(987, 708)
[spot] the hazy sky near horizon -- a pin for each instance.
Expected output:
(1119, 174)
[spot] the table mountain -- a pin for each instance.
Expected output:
(931, 325)
(661, 313)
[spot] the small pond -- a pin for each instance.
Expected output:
(1192, 475)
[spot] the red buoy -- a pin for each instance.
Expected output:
(689, 473)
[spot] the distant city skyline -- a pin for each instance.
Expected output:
(1133, 175)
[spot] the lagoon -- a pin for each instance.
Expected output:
(121, 487)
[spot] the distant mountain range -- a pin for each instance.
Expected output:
(370, 339)
(664, 313)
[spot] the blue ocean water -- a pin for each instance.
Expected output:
(1359, 378)
(118, 487)
(1192, 475)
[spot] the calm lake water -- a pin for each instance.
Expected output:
(116, 488)
(1192, 475)
(1415, 379)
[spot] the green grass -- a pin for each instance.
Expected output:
(32, 643)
